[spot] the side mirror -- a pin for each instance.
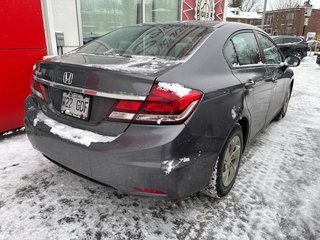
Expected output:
(292, 61)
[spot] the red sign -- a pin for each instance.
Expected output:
(203, 10)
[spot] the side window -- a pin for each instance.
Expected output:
(230, 54)
(287, 40)
(293, 40)
(246, 48)
(270, 51)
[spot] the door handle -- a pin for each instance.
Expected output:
(273, 79)
(249, 84)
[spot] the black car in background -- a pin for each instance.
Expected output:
(160, 110)
(318, 60)
(284, 39)
(291, 46)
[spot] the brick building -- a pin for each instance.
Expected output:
(291, 22)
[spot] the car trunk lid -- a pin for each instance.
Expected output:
(98, 81)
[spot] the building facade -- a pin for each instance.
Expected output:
(80, 21)
(292, 22)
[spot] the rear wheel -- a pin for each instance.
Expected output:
(297, 54)
(284, 108)
(227, 165)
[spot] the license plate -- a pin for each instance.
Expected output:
(75, 104)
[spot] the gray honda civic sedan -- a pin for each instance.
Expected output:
(162, 110)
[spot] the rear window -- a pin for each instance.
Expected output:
(164, 41)
(292, 40)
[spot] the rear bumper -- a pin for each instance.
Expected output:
(163, 158)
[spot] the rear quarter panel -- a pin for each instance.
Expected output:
(222, 103)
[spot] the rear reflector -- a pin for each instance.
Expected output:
(166, 104)
(151, 191)
(39, 90)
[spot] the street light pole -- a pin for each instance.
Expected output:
(264, 13)
(306, 15)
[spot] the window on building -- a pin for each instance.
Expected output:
(269, 20)
(102, 16)
(288, 30)
(289, 18)
(161, 10)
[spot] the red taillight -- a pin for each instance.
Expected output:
(151, 191)
(39, 90)
(167, 103)
(125, 110)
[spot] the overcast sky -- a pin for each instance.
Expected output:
(315, 3)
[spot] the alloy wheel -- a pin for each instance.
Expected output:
(231, 160)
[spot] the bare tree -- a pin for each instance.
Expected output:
(251, 5)
(246, 5)
(285, 4)
(235, 3)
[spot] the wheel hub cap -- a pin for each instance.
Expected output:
(231, 160)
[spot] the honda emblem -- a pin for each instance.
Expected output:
(67, 77)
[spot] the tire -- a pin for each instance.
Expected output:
(284, 107)
(297, 54)
(226, 168)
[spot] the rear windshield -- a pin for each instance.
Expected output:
(163, 41)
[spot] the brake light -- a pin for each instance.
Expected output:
(167, 103)
(125, 110)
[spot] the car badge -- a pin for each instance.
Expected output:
(67, 78)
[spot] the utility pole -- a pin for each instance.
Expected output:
(307, 14)
(264, 13)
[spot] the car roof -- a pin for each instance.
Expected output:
(286, 36)
(211, 24)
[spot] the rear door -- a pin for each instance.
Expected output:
(243, 55)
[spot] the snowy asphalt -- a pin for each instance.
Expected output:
(276, 196)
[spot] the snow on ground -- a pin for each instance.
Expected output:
(276, 196)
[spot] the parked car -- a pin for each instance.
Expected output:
(318, 59)
(291, 45)
(285, 39)
(160, 110)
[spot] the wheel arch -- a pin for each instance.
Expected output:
(244, 123)
(291, 85)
